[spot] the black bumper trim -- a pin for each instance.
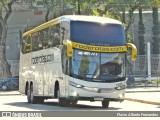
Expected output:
(92, 99)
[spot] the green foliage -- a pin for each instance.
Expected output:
(6, 1)
(3, 4)
(95, 12)
(154, 3)
(129, 38)
(39, 2)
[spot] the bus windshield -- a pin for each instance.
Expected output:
(92, 66)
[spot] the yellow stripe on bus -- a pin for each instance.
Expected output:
(99, 48)
(42, 26)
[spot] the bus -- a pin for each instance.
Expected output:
(75, 57)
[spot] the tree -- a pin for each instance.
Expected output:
(4, 65)
(75, 4)
(48, 10)
(155, 30)
(141, 33)
(48, 5)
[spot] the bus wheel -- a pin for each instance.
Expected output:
(105, 104)
(73, 102)
(40, 100)
(33, 98)
(61, 102)
(28, 95)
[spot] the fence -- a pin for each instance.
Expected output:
(140, 65)
(138, 76)
(9, 84)
(143, 81)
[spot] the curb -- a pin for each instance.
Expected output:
(6, 93)
(142, 91)
(142, 101)
(9, 94)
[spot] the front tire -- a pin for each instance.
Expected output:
(28, 95)
(105, 104)
(61, 102)
(33, 98)
(73, 102)
(40, 100)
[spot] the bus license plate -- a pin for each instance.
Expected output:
(98, 98)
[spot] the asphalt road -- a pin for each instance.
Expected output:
(19, 103)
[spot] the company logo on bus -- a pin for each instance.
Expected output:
(43, 59)
(100, 48)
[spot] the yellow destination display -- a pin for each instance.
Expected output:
(99, 48)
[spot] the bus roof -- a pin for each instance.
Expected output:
(97, 19)
(69, 18)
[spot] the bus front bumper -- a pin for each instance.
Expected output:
(94, 98)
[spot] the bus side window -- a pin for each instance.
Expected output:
(45, 38)
(23, 45)
(35, 42)
(28, 44)
(40, 40)
(54, 36)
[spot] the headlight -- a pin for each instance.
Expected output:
(75, 85)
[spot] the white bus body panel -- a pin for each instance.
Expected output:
(44, 70)
(24, 75)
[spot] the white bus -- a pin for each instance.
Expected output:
(74, 58)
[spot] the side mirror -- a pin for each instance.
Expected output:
(134, 51)
(69, 47)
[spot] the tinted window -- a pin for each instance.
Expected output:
(97, 33)
(46, 38)
(26, 44)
